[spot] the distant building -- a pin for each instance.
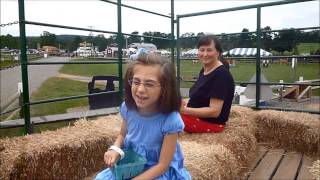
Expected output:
(113, 51)
(147, 46)
(86, 49)
(50, 50)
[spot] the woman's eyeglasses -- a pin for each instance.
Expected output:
(149, 85)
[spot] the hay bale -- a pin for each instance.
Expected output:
(290, 130)
(80, 148)
(315, 170)
(240, 111)
(210, 161)
(213, 156)
(68, 153)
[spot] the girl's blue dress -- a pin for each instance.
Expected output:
(145, 136)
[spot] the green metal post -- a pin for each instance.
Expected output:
(120, 43)
(24, 68)
(172, 31)
(258, 70)
(178, 51)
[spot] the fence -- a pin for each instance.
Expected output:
(120, 61)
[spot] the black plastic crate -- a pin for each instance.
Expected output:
(103, 100)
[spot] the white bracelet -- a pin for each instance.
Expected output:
(118, 150)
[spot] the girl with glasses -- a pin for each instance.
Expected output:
(151, 121)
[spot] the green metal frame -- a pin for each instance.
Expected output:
(24, 62)
(258, 32)
(175, 42)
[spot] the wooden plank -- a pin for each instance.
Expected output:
(291, 93)
(304, 173)
(267, 165)
(261, 152)
(288, 167)
(305, 91)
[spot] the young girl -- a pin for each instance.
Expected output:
(151, 122)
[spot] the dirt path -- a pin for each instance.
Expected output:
(37, 74)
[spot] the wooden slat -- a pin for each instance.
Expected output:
(267, 165)
(304, 173)
(261, 152)
(306, 90)
(288, 167)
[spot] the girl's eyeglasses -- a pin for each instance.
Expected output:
(147, 85)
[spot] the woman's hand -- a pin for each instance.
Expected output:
(111, 157)
(183, 107)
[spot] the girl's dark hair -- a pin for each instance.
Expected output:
(206, 40)
(170, 98)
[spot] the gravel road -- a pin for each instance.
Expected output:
(9, 78)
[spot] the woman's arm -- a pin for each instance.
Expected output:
(166, 156)
(213, 110)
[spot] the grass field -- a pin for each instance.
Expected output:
(55, 88)
(8, 60)
(308, 47)
(241, 72)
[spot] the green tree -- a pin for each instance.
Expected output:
(9, 41)
(75, 43)
(48, 39)
(134, 39)
(245, 38)
(285, 40)
(188, 40)
(32, 42)
(266, 38)
(100, 41)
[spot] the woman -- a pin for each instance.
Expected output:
(211, 96)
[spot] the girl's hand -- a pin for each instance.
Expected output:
(111, 157)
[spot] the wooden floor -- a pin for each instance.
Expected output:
(275, 164)
(278, 164)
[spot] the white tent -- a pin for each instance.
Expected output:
(190, 53)
(246, 52)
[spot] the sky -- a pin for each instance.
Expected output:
(103, 16)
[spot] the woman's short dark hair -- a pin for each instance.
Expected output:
(170, 98)
(207, 40)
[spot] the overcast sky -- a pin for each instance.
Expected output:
(103, 16)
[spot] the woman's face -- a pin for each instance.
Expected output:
(208, 54)
(146, 87)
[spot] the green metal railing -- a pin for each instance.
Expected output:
(24, 62)
(258, 33)
(175, 44)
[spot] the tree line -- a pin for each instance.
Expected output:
(281, 41)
